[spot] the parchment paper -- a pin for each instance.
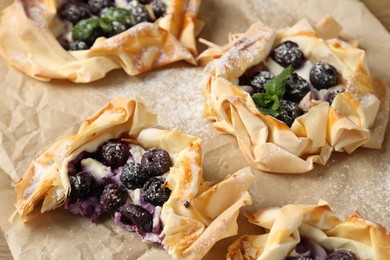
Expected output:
(33, 114)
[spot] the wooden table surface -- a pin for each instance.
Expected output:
(380, 8)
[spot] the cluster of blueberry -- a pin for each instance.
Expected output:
(322, 76)
(309, 250)
(339, 254)
(94, 193)
(90, 19)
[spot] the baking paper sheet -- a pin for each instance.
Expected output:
(33, 114)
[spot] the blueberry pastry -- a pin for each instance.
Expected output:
(149, 180)
(294, 96)
(305, 232)
(82, 40)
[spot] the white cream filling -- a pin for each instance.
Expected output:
(96, 168)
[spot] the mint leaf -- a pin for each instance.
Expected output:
(269, 112)
(276, 86)
(105, 24)
(269, 102)
(261, 99)
(84, 29)
(276, 103)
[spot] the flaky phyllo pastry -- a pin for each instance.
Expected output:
(311, 232)
(137, 39)
(293, 96)
(148, 179)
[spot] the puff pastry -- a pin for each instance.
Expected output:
(28, 42)
(192, 217)
(356, 117)
(294, 228)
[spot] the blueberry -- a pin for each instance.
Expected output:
(333, 94)
(82, 185)
(64, 43)
(157, 161)
(300, 258)
(134, 175)
(323, 76)
(114, 153)
(139, 13)
(73, 12)
(78, 45)
(137, 215)
(155, 191)
(74, 166)
(243, 80)
(113, 197)
(159, 8)
(97, 6)
(144, 2)
(259, 79)
(288, 112)
(296, 88)
(288, 53)
(342, 254)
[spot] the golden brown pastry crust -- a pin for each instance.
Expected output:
(284, 227)
(28, 44)
(355, 118)
(196, 215)
(46, 179)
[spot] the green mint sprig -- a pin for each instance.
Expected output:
(269, 102)
(85, 28)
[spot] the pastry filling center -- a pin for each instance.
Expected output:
(308, 249)
(123, 180)
(285, 83)
(83, 21)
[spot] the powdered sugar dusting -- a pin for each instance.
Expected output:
(173, 94)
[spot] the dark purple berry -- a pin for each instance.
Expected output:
(296, 88)
(300, 258)
(342, 254)
(114, 153)
(144, 2)
(155, 191)
(288, 112)
(73, 12)
(159, 8)
(97, 6)
(74, 166)
(288, 53)
(259, 79)
(82, 185)
(243, 80)
(157, 161)
(137, 215)
(113, 197)
(134, 175)
(78, 45)
(64, 43)
(333, 94)
(323, 76)
(139, 12)
(72, 169)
